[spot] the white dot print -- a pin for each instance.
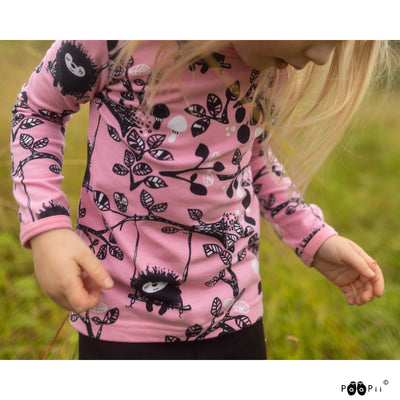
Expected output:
(228, 302)
(241, 307)
(230, 130)
(208, 178)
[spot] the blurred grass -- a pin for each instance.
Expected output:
(306, 317)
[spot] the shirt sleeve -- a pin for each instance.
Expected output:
(300, 225)
(70, 74)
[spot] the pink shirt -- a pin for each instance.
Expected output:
(171, 196)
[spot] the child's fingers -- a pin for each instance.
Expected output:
(93, 268)
(83, 296)
(359, 260)
(378, 281)
(365, 291)
(350, 294)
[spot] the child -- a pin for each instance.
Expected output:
(180, 152)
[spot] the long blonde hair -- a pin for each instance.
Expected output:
(306, 115)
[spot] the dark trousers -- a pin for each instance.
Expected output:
(246, 344)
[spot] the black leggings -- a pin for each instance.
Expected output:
(246, 344)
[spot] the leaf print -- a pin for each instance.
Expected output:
(195, 214)
(237, 157)
(196, 110)
(162, 155)
(129, 158)
(154, 182)
(202, 151)
(26, 141)
(120, 169)
(238, 228)
(211, 249)
(55, 169)
(121, 201)
(229, 192)
(200, 126)
(193, 331)
(31, 123)
(74, 317)
(248, 231)
(135, 142)
(111, 316)
(198, 189)
(17, 119)
(97, 321)
(116, 252)
(171, 339)
(242, 255)
(113, 133)
(226, 258)
(291, 209)
(142, 169)
(159, 207)
(242, 321)
(247, 199)
(213, 281)
(39, 144)
(169, 230)
(112, 239)
(214, 104)
(254, 75)
(218, 167)
(216, 307)
(271, 200)
(101, 201)
(82, 212)
(146, 199)
(102, 253)
(193, 178)
(155, 141)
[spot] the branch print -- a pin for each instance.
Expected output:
(199, 189)
(110, 318)
(198, 332)
(135, 168)
(216, 110)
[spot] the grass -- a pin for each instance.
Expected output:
(306, 317)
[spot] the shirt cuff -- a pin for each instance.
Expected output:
(315, 243)
(43, 225)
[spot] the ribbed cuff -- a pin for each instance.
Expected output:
(43, 225)
(315, 243)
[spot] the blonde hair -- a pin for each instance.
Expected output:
(305, 112)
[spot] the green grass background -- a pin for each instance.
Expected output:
(306, 317)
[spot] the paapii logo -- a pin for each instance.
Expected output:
(361, 389)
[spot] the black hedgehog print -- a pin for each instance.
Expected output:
(52, 209)
(73, 70)
(158, 287)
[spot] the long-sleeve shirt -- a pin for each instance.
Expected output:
(172, 193)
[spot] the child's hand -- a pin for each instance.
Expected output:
(351, 269)
(68, 271)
